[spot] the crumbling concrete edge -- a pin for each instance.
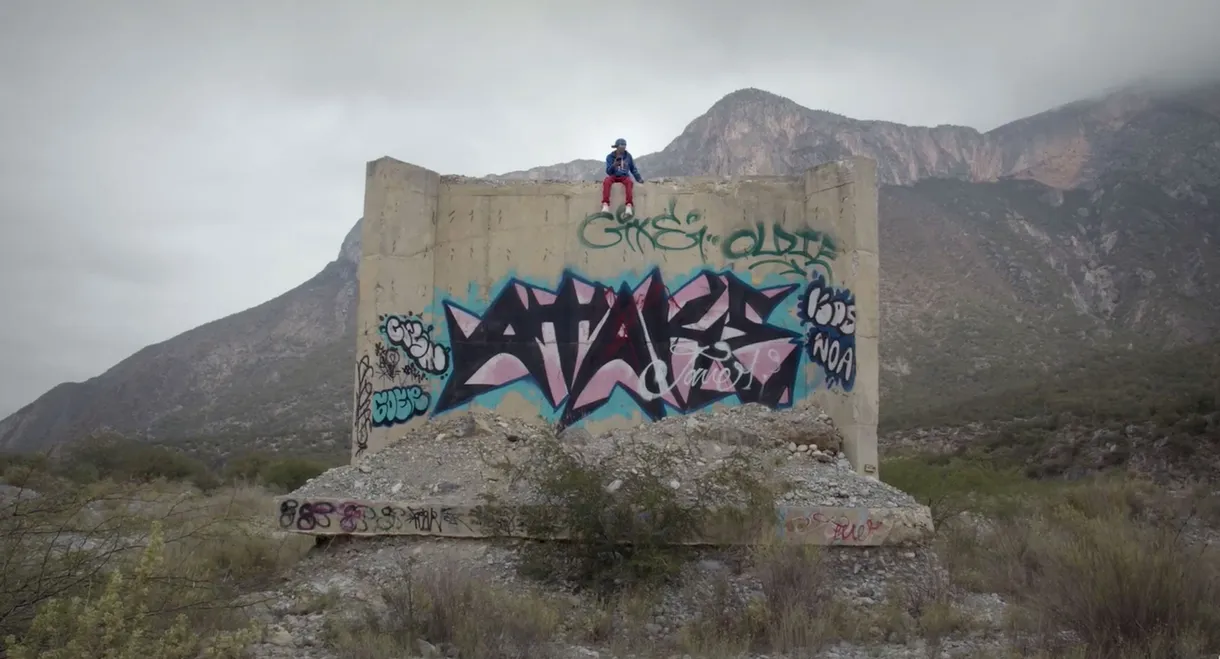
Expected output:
(808, 525)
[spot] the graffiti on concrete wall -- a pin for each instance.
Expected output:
(363, 407)
(829, 526)
(810, 525)
(405, 358)
(829, 317)
(794, 251)
(423, 355)
(399, 405)
(577, 344)
(356, 517)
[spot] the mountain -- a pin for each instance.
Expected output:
(1085, 229)
(282, 366)
(751, 131)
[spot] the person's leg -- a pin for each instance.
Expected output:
(606, 183)
(629, 184)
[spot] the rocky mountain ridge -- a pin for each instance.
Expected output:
(1091, 225)
(751, 131)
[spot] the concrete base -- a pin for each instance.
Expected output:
(820, 525)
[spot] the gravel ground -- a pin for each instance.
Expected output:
(449, 461)
(352, 572)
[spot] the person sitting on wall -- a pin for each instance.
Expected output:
(620, 167)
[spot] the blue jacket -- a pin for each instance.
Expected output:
(625, 167)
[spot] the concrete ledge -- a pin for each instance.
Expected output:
(817, 525)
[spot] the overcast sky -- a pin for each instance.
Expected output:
(164, 163)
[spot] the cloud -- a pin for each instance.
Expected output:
(165, 164)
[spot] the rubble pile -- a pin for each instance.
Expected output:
(455, 459)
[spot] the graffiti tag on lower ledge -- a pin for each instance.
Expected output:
(817, 525)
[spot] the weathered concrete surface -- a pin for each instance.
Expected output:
(735, 261)
(814, 525)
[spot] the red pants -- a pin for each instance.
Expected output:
(627, 182)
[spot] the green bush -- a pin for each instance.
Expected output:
(620, 515)
(1128, 386)
(285, 474)
(291, 473)
(119, 459)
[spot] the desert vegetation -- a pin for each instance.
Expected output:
(164, 554)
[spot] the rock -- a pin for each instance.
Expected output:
(614, 486)
(426, 649)
(575, 436)
(278, 636)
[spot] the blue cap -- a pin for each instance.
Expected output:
(620, 142)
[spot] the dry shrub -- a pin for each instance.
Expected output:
(924, 607)
(451, 609)
(1100, 570)
(797, 610)
(119, 624)
(212, 549)
(619, 621)
(1118, 586)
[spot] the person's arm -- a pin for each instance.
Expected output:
(610, 165)
(635, 172)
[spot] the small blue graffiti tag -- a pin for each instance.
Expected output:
(399, 405)
(829, 317)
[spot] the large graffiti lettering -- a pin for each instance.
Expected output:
(795, 252)
(829, 316)
(580, 342)
(362, 409)
(424, 355)
(399, 405)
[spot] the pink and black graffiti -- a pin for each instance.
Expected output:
(829, 316)
(707, 341)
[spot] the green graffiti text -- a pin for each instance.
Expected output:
(664, 232)
(795, 251)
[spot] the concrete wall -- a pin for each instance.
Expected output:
(523, 298)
